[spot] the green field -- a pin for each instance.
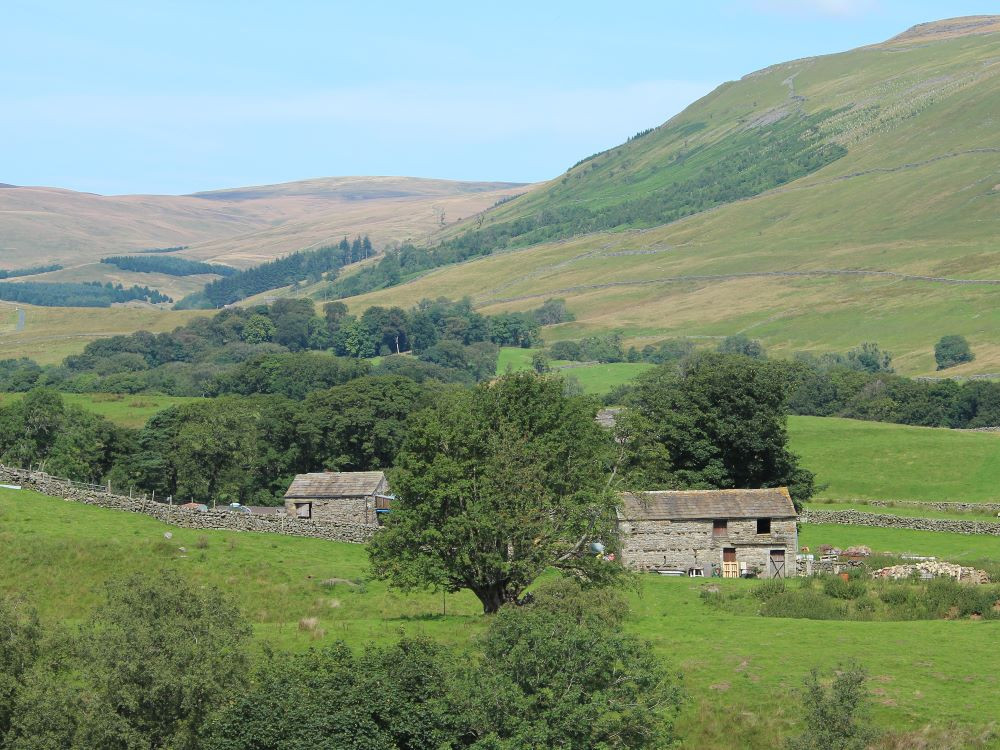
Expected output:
(52, 333)
(123, 409)
(879, 461)
(58, 554)
(595, 379)
(955, 547)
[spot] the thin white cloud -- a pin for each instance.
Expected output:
(835, 8)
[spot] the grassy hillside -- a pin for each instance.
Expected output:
(58, 555)
(873, 460)
(822, 262)
(52, 333)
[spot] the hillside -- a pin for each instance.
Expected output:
(832, 200)
(240, 226)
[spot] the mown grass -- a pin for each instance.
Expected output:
(743, 673)
(879, 461)
(127, 410)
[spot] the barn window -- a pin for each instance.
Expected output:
(719, 526)
(763, 525)
(304, 510)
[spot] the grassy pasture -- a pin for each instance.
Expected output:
(53, 333)
(595, 379)
(123, 409)
(744, 694)
(878, 461)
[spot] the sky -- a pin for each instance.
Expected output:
(148, 96)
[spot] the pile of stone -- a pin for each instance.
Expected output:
(931, 569)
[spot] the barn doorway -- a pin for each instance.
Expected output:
(730, 568)
(776, 567)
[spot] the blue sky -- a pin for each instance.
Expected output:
(173, 97)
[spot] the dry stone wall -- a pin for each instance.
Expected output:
(947, 507)
(222, 520)
(887, 521)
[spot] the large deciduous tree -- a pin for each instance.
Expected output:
(494, 485)
(719, 423)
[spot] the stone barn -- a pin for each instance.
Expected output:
(358, 497)
(704, 532)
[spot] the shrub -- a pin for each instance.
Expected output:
(836, 718)
(952, 350)
(804, 605)
(768, 588)
(838, 588)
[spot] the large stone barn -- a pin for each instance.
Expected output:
(358, 497)
(704, 532)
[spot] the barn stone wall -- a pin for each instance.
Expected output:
(349, 510)
(692, 543)
(190, 519)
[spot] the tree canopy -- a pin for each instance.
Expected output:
(495, 484)
(719, 423)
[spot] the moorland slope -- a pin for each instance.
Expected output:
(814, 204)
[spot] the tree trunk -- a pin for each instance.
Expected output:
(493, 597)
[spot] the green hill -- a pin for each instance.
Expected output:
(832, 200)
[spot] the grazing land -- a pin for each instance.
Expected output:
(125, 410)
(595, 379)
(893, 242)
(879, 461)
(52, 333)
(59, 554)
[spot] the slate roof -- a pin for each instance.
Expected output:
(335, 484)
(677, 505)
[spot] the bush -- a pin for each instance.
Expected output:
(768, 588)
(804, 605)
(952, 350)
(836, 718)
(838, 588)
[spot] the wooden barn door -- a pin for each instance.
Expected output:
(776, 569)
(730, 568)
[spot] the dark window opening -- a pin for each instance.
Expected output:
(719, 527)
(763, 525)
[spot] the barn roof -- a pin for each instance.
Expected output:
(674, 505)
(335, 484)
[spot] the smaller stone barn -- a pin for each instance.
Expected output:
(710, 532)
(358, 497)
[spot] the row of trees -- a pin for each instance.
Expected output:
(219, 354)
(169, 264)
(77, 294)
(305, 265)
(300, 416)
(32, 271)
